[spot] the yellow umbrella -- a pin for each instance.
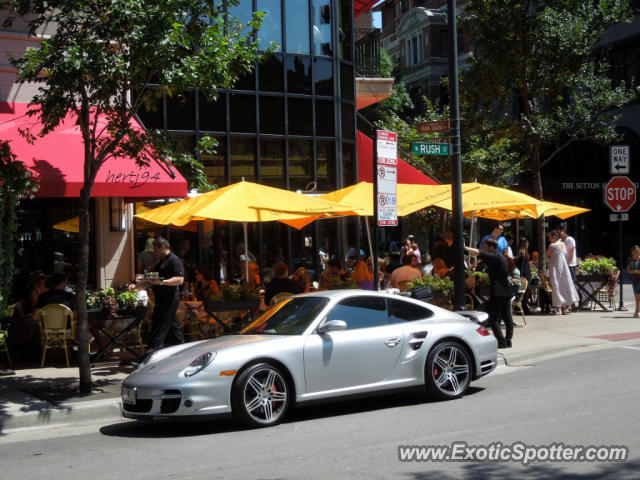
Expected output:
(245, 202)
(479, 198)
(70, 225)
(563, 211)
(411, 198)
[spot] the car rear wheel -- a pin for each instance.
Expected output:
(448, 371)
(260, 396)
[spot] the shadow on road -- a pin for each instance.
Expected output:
(161, 429)
(506, 471)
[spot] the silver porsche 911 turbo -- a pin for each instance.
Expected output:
(310, 347)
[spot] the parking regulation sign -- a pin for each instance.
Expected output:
(387, 178)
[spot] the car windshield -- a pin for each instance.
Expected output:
(291, 316)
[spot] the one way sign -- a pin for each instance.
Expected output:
(619, 157)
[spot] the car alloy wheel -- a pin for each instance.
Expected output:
(448, 371)
(260, 396)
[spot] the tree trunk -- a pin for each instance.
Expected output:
(81, 288)
(537, 186)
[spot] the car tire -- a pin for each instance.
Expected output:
(260, 396)
(447, 371)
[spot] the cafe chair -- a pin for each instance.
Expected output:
(469, 304)
(279, 296)
(57, 325)
(517, 303)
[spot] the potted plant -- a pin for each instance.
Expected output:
(596, 268)
(440, 286)
(127, 300)
(234, 298)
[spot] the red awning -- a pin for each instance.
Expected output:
(406, 173)
(361, 6)
(57, 162)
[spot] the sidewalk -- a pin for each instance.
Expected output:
(49, 397)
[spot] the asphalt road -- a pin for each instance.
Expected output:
(585, 399)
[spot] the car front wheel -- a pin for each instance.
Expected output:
(260, 396)
(447, 371)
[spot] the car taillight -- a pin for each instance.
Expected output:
(483, 331)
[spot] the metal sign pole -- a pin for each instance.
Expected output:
(456, 163)
(374, 249)
(621, 306)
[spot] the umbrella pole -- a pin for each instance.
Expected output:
(366, 223)
(473, 219)
(246, 252)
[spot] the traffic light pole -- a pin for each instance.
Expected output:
(456, 162)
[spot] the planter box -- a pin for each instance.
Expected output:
(593, 277)
(232, 306)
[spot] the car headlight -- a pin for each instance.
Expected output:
(199, 363)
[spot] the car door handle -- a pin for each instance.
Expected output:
(392, 342)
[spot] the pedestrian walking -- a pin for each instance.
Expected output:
(563, 292)
(571, 256)
(165, 329)
(499, 304)
(633, 267)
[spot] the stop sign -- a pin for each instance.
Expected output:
(620, 194)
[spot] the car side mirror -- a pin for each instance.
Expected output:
(332, 326)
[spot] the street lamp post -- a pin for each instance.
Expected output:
(456, 163)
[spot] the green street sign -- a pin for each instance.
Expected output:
(425, 148)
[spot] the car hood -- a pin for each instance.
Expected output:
(177, 361)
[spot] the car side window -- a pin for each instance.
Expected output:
(401, 311)
(360, 312)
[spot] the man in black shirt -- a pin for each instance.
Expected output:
(56, 294)
(165, 329)
(280, 283)
(499, 305)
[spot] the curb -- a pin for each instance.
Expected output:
(41, 414)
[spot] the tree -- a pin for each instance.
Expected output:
(15, 184)
(536, 80)
(108, 60)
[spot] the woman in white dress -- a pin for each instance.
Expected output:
(563, 293)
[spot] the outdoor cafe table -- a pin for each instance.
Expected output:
(115, 329)
(213, 308)
(588, 288)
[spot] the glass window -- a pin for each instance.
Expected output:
(326, 165)
(400, 311)
(242, 12)
(346, 81)
(348, 123)
(300, 164)
(272, 115)
(297, 20)
(299, 74)
(243, 159)
(213, 114)
(292, 316)
(272, 160)
(152, 118)
(242, 109)
(181, 112)
(300, 121)
(214, 163)
(348, 164)
(271, 77)
(246, 81)
(345, 13)
(323, 76)
(271, 29)
(322, 43)
(325, 120)
(360, 312)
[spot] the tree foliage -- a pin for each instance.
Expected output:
(538, 79)
(107, 60)
(15, 183)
